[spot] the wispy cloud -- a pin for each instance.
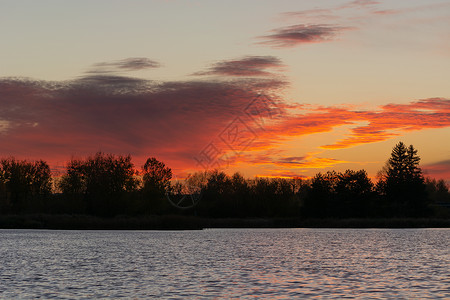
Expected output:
(322, 15)
(393, 119)
(443, 7)
(294, 164)
(346, 13)
(294, 35)
(324, 24)
(355, 13)
(282, 174)
(366, 126)
(383, 12)
(128, 64)
(248, 66)
(309, 161)
(359, 4)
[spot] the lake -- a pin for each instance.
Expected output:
(226, 263)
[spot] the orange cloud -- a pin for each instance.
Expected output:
(384, 123)
(282, 174)
(309, 161)
(395, 118)
(369, 126)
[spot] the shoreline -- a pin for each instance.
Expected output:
(176, 222)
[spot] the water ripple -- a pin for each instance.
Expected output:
(225, 263)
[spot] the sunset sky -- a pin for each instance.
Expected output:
(267, 88)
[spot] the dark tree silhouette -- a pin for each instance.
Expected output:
(336, 194)
(156, 175)
(319, 199)
(234, 196)
(216, 201)
(101, 180)
(354, 191)
(439, 197)
(402, 182)
(23, 184)
(156, 181)
(240, 194)
(108, 185)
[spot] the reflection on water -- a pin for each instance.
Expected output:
(222, 263)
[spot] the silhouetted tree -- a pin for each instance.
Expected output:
(439, 196)
(101, 181)
(438, 191)
(354, 191)
(263, 194)
(319, 201)
(239, 195)
(216, 201)
(107, 185)
(156, 175)
(402, 182)
(336, 194)
(23, 184)
(196, 182)
(156, 179)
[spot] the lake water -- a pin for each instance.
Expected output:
(226, 263)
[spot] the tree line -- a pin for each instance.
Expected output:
(109, 185)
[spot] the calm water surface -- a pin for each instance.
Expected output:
(226, 263)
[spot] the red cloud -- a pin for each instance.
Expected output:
(169, 120)
(395, 118)
(369, 127)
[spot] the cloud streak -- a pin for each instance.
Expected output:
(295, 35)
(359, 4)
(310, 161)
(393, 119)
(128, 64)
(248, 66)
(291, 164)
(366, 126)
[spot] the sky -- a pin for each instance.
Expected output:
(266, 88)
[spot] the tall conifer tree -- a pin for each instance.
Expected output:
(403, 183)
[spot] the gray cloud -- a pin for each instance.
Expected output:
(172, 120)
(128, 64)
(292, 159)
(247, 66)
(301, 34)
